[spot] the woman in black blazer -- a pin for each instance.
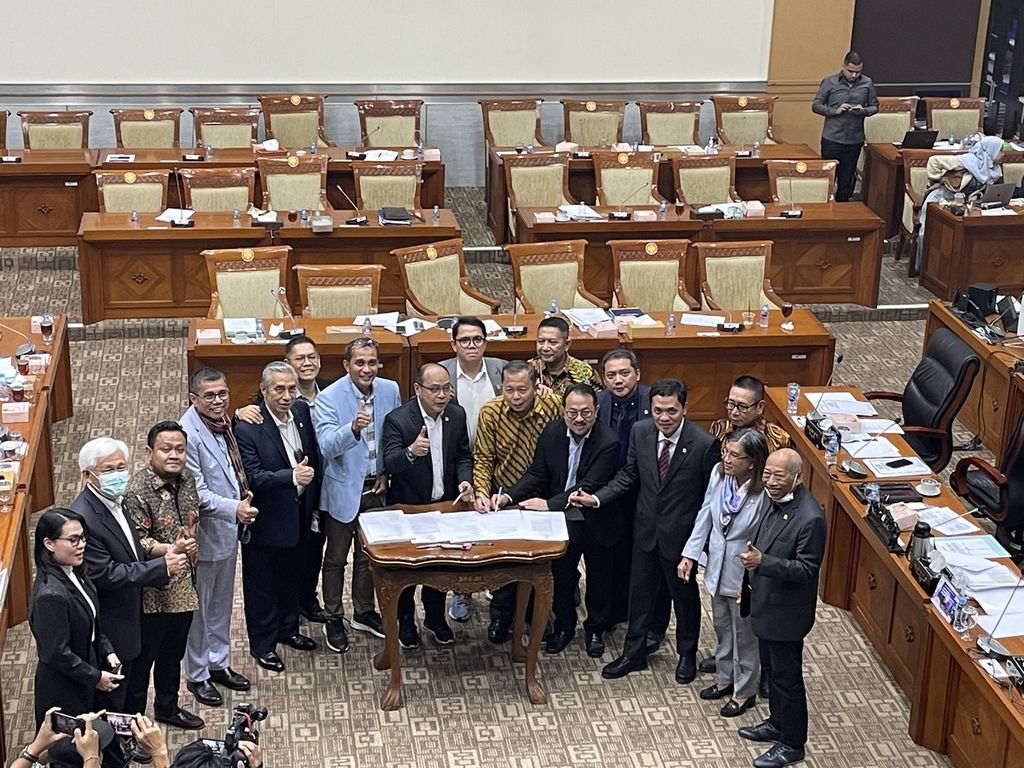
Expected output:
(75, 658)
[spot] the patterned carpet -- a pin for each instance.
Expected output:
(465, 706)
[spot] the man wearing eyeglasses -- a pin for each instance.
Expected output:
(427, 456)
(557, 368)
(744, 407)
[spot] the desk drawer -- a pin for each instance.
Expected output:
(872, 597)
(978, 737)
(906, 637)
(47, 208)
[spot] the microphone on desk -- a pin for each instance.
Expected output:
(793, 212)
(621, 215)
(280, 294)
(854, 468)
(23, 349)
(181, 221)
(839, 359)
(987, 643)
(364, 139)
(358, 218)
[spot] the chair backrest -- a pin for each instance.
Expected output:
(1013, 467)
(295, 120)
(592, 123)
(4, 114)
(511, 123)
(915, 173)
(620, 178)
(338, 290)
(935, 393)
(536, 181)
(431, 276)
(744, 119)
(293, 183)
(545, 271)
(382, 185)
(389, 123)
(955, 116)
(55, 130)
(218, 189)
(732, 275)
(243, 281)
(1013, 167)
(802, 181)
(704, 179)
(126, 191)
(225, 127)
(669, 123)
(147, 128)
(895, 116)
(650, 274)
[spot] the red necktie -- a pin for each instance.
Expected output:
(663, 458)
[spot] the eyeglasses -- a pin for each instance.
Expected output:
(210, 397)
(311, 357)
(74, 541)
(732, 405)
(733, 455)
(584, 414)
(440, 389)
(470, 341)
(363, 341)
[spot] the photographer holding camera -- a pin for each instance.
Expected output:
(200, 753)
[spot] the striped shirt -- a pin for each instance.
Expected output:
(506, 441)
(575, 371)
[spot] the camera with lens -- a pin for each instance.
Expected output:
(243, 728)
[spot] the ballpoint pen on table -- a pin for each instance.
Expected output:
(465, 545)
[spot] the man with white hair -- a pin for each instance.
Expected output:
(116, 563)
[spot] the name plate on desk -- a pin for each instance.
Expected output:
(193, 158)
(9, 159)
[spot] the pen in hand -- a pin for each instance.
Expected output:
(498, 498)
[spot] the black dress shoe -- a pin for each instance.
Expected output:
(713, 692)
(316, 615)
(653, 643)
(686, 670)
(205, 693)
(498, 630)
(300, 642)
(442, 633)
(558, 640)
(408, 635)
(229, 679)
(182, 719)
(622, 666)
(708, 665)
(733, 708)
(595, 645)
(763, 731)
(270, 660)
(778, 756)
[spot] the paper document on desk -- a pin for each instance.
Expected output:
(958, 526)
(112, 158)
(935, 515)
(976, 546)
(175, 214)
(233, 325)
(463, 526)
(381, 155)
(994, 600)
(503, 524)
(426, 527)
(704, 321)
(1012, 624)
(914, 467)
(492, 326)
(585, 316)
(876, 448)
(840, 402)
(877, 426)
(379, 320)
(581, 212)
(545, 526)
(385, 527)
(999, 577)
(411, 327)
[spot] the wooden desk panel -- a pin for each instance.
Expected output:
(42, 197)
(881, 182)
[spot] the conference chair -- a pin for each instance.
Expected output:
(545, 271)
(1013, 168)
(592, 123)
(511, 123)
(669, 123)
(294, 183)
(218, 189)
(246, 282)
(225, 127)
(895, 116)
(296, 120)
(955, 117)
(387, 185)
(4, 114)
(650, 274)
(621, 178)
(535, 181)
(126, 191)
(744, 119)
(147, 128)
(734, 277)
(704, 179)
(338, 290)
(934, 395)
(802, 181)
(435, 283)
(389, 123)
(915, 189)
(55, 130)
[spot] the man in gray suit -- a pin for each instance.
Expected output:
(212, 456)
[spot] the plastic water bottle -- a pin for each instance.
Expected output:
(529, 149)
(135, 216)
(670, 326)
(304, 215)
(873, 492)
(236, 215)
(553, 309)
(419, 147)
(437, 214)
(367, 327)
(832, 450)
(209, 152)
(312, 148)
(793, 395)
(709, 149)
(5, 390)
(757, 148)
(663, 210)
(763, 321)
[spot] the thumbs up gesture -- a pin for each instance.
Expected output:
(303, 473)
(751, 559)
(362, 419)
(421, 445)
(245, 511)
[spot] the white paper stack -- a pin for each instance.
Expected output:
(392, 525)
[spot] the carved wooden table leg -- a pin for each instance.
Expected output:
(543, 586)
(519, 625)
(389, 586)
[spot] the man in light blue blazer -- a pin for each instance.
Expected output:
(225, 499)
(349, 422)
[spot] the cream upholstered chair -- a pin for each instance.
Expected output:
(338, 290)
(514, 123)
(147, 128)
(383, 185)
(592, 123)
(802, 181)
(225, 127)
(620, 178)
(895, 116)
(744, 119)
(706, 179)
(650, 274)
(545, 271)
(126, 191)
(735, 276)
(218, 189)
(244, 281)
(4, 114)
(296, 120)
(1013, 168)
(535, 181)
(55, 130)
(956, 117)
(435, 282)
(669, 123)
(389, 123)
(915, 189)
(294, 183)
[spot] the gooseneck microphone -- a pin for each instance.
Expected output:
(987, 643)
(23, 349)
(180, 221)
(358, 218)
(622, 215)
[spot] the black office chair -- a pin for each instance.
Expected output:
(934, 395)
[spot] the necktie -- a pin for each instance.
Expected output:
(663, 458)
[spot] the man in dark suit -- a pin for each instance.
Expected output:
(781, 594)
(669, 462)
(427, 456)
(282, 464)
(578, 452)
(114, 557)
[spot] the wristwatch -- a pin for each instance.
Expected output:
(410, 455)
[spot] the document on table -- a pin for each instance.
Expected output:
(877, 426)
(994, 600)
(839, 402)
(935, 515)
(503, 524)
(998, 212)
(381, 155)
(492, 326)
(175, 214)
(545, 526)
(410, 327)
(958, 526)
(585, 316)
(876, 448)
(705, 321)
(882, 467)
(385, 527)
(1012, 624)
(976, 546)
(999, 577)
(426, 527)
(379, 320)
(463, 526)
(233, 325)
(581, 212)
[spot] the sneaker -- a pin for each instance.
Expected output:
(337, 637)
(441, 631)
(459, 608)
(408, 635)
(368, 622)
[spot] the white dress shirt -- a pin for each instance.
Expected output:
(292, 442)
(575, 451)
(473, 392)
(114, 507)
(78, 585)
(435, 434)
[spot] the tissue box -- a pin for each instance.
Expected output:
(432, 155)
(544, 217)
(15, 413)
(903, 516)
(645, 216)
(647, 331)
(605, 329)
(208, 336)
(566, 146)
(753, 209)
(846, 422)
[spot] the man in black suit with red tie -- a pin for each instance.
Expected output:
(669, 462)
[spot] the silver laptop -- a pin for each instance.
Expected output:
(998, 193)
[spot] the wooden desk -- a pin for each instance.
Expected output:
(243, 363)
(17, 557)
(149, 269)
(882, 182)
(960, 250)
(996, 399)
(42, 197)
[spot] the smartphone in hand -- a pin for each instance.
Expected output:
(66, 724)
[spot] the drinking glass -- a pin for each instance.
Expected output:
(6, 494)
(787, 309)
(46, 328)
